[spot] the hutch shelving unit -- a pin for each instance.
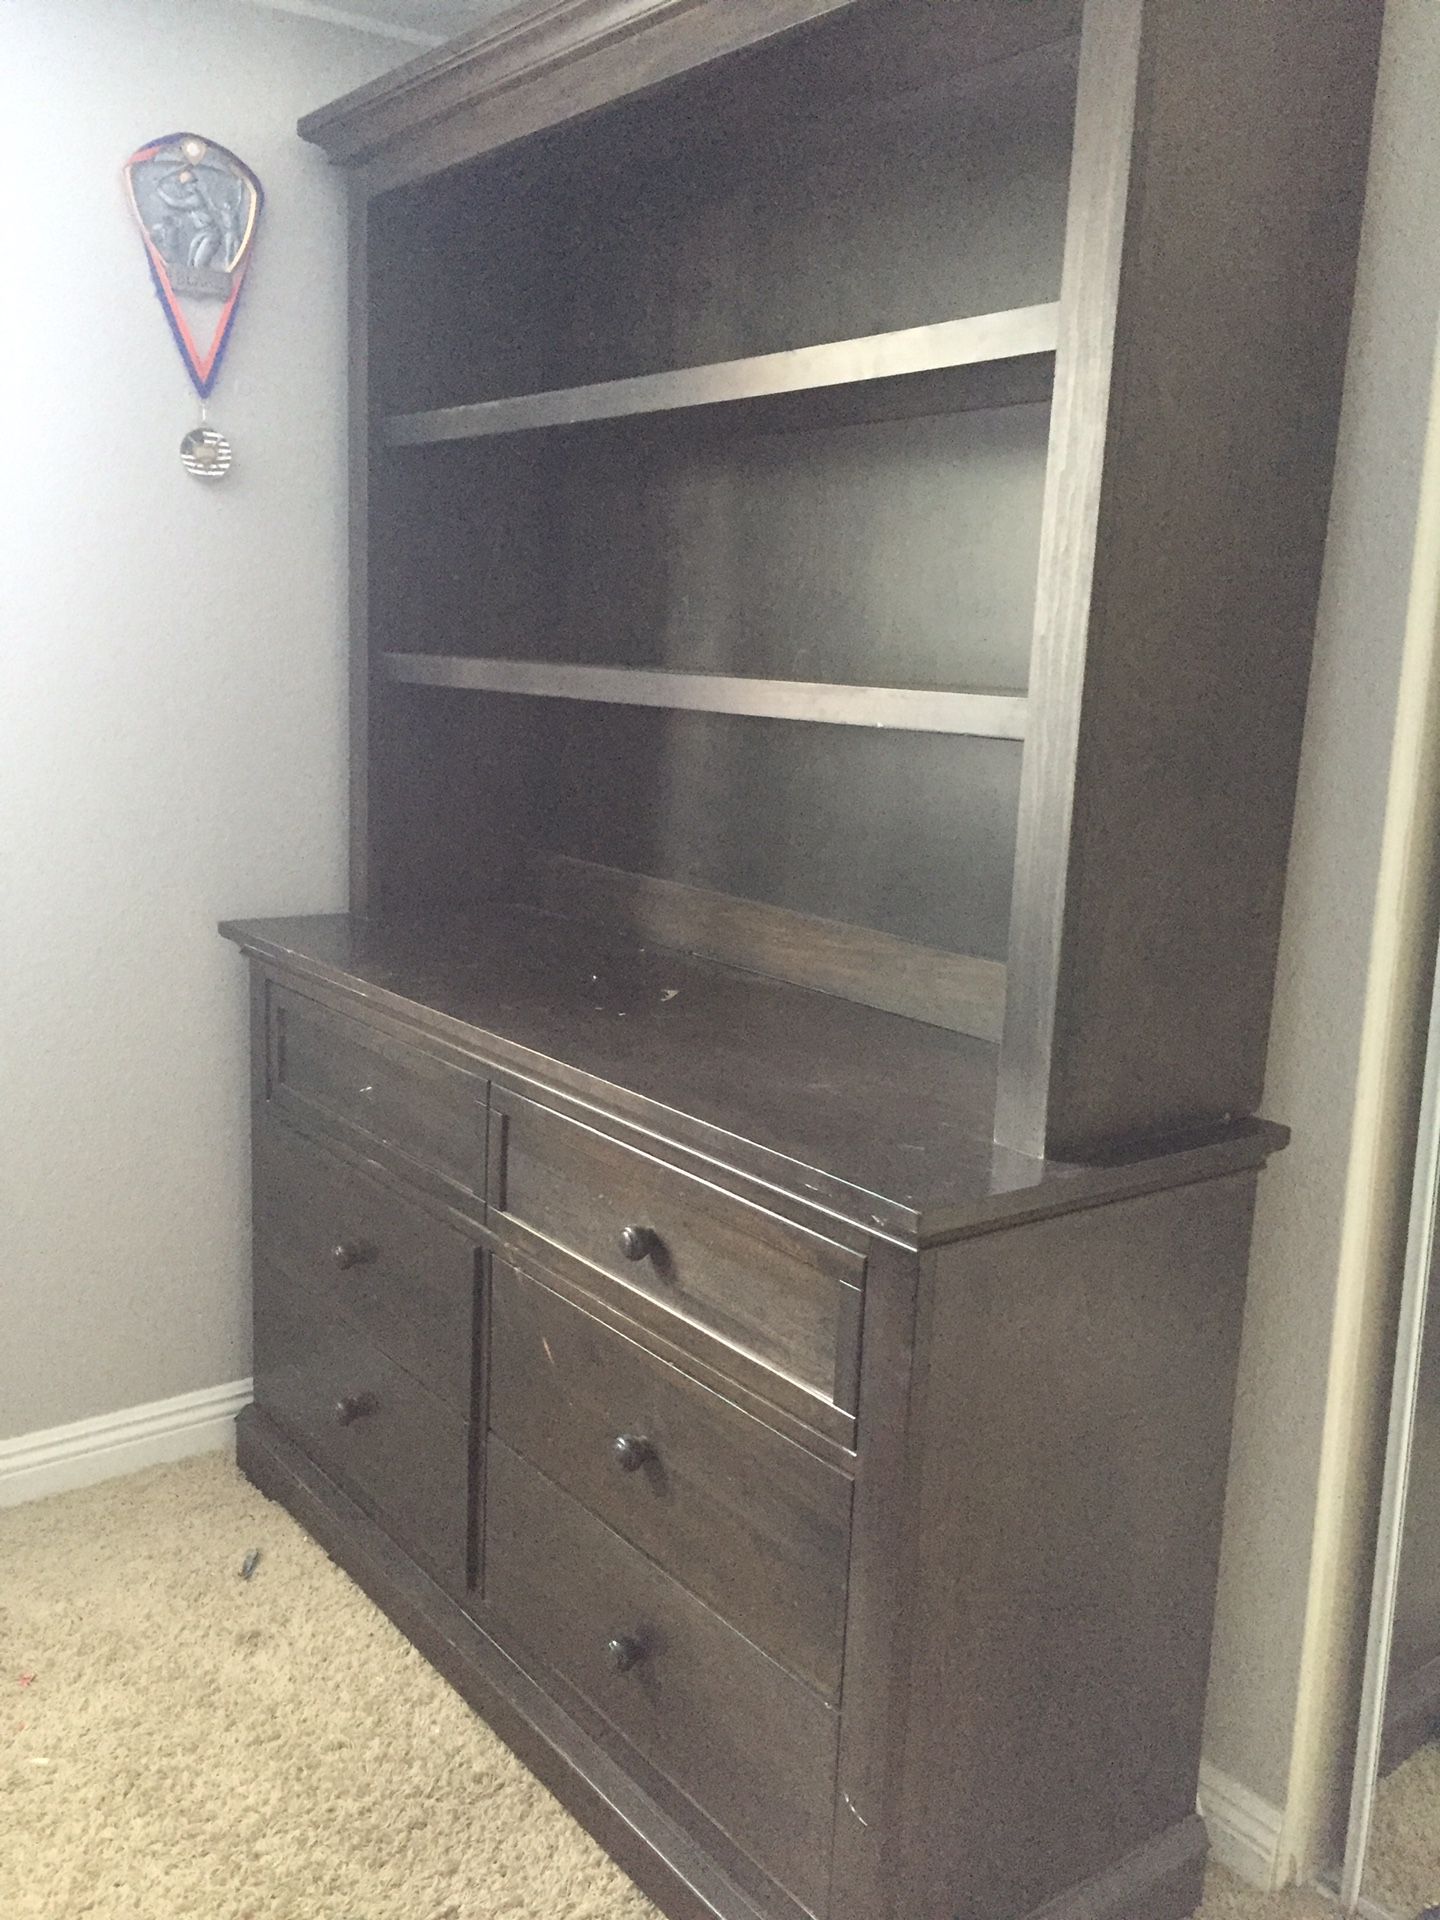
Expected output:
(752, 1203)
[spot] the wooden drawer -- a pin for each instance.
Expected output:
(752, 1523)
(403, 1277)
(365, 1421)
(752, 1747)
(372, 1090)
(785, 1296)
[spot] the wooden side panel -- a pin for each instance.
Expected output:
(1168, 691)
(1071, 1424)
(358, 329)
(879, 1617)
(1101, 178)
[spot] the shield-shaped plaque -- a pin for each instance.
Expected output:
(197, 207)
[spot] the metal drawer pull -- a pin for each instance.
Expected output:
(351, 1253)
(623, 1652)
(630, 1451)
(352, 1407)
(638, 1243)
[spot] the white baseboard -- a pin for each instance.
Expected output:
(1244, 1830)
(37, 1464)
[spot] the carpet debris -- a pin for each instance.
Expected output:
(201, 1734)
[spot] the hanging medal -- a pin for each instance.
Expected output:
(197, 207)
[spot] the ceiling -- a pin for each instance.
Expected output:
(418, 22)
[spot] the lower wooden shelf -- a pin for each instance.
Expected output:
(981, 713)
(980, 341)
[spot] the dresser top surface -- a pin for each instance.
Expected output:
(886, 1119)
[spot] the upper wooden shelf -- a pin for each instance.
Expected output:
(988, 715)
(986, 339)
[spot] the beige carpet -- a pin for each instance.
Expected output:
(1403, 1869)
(197, 1747)
(179, 1744)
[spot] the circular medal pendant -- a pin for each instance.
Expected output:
(205, 453)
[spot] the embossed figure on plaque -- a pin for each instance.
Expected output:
(197, 207)
(199, 213)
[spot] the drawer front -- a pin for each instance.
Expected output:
(373, 1090)
(752, 1747)
(784, 1296)
(404, 1278)
(363, 1420)
(743, 1517)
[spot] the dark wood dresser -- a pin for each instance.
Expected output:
(751, 1207)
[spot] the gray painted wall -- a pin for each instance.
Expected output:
(1285, 1377)
(171, 684)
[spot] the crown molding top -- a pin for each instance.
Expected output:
(549, 61)
(536, 65)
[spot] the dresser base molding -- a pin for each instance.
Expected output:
(662, 1860)
(1160, 1881)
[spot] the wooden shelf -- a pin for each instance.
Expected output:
(987, 339)
(988, 715)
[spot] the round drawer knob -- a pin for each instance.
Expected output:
(623, 1652)
(630, 1451)
(638, 1243)
(350, 1253)
(352, 1407)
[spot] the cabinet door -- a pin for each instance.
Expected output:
(400, 1451)
(357, 1248)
